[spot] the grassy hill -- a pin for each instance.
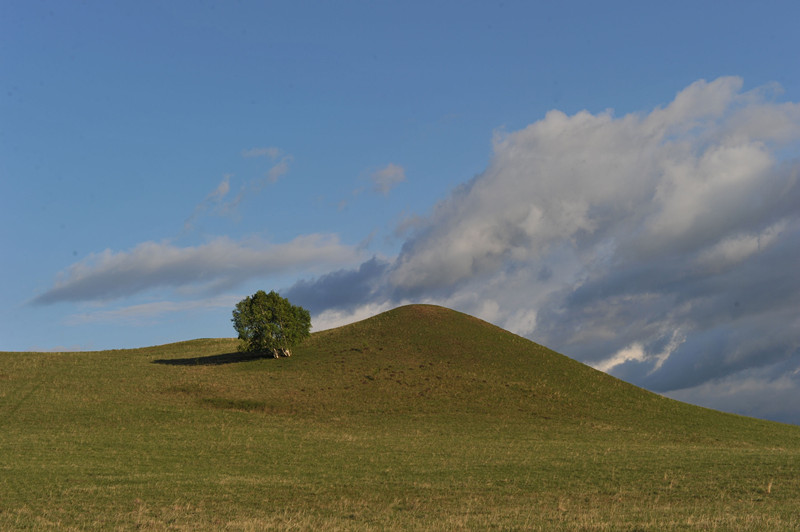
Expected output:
(421, 417)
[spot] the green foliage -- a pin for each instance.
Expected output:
(269, 323)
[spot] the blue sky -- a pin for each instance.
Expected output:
(616, 180)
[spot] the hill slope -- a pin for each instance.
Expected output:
(421, 417)
(423, 360)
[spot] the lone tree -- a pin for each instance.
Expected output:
(268, 323)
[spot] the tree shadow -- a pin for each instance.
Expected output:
(213, 360)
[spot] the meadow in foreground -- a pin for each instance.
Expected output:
(419, 418)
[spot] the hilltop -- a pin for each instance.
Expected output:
(420, 417)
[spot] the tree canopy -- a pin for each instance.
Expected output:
(269, 323)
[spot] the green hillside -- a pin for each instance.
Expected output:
(419, 418)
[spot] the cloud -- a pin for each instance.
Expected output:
(279, 169)
(213, 202)
(771, 394)
(215, 266)
(660, 246)
(343, 289)
(634, 351)
(216, 202)
(222, 189)
(254, 186)
(336, 318)
(387, 178)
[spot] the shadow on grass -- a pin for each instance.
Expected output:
(213, 360)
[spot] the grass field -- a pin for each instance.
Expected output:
(419, 418)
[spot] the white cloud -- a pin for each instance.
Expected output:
(695, 106)
(388, 177)
(489, 310)
(522, 322)
(634, 352)
(686, 180)
(217, 265)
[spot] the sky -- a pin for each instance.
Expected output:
(618, 181)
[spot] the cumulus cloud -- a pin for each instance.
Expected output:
(215, 266)
(387, 178)
(659, 246)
